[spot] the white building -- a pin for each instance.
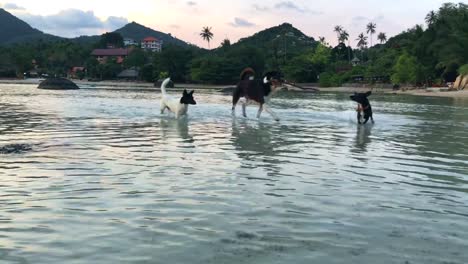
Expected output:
(152, 44)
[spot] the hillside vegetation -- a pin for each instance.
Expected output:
(422, 55)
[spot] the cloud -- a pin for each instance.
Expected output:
(261, 8)
(174, 26)
(191, 3)
(285, 5)
(289, 5)
(240, 22)
(359, 18)
(115, 22)
(73, 22)
(13, 6)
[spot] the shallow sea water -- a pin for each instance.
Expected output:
(104, 178)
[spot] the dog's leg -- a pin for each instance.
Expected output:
(260, 109)
(163, 107)
(359, 117)
(372, 119)
(244, 105)
(267, 108)
(236, 95)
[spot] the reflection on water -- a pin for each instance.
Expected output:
(107, 179)
(179, 126)
(363, 134)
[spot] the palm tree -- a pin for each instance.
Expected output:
(207, 35)
(431, 18)
(371, 30)
(344, 36)
(338, 30)
(322, 40)
(382, 37)
(226, 43)
(362, 42)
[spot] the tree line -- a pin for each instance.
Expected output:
(423, 55)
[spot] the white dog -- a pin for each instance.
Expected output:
(178, 107)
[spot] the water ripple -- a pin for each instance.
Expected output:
(104, 178)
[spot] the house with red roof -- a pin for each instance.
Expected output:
(152, 44)
(102, 55)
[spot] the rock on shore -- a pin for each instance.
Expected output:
(58, 84)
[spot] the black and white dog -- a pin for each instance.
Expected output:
(178, 106)
(364, 109)
(257, 91)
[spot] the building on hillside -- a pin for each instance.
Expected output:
(102, 55)
(130, 42)
(152, 44)
(355, 61)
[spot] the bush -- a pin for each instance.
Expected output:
(328, 79)
(463, 70)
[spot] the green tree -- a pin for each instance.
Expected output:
(136, 58)
(362, 43)
(338, 29)
(463, 70)
(207, 35)
(344, 36)
(382, 37)
(371, 30)
(111, 39)
(301, 69)
(431, 18)
(405, 70)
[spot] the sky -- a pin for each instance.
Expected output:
(229, 19)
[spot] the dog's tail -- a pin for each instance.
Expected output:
(164, 84)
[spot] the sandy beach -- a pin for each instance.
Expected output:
(435, 92)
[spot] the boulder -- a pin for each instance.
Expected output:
(58, 84)
(456, 84)
(463, 83)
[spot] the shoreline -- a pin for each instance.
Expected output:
(126, 85)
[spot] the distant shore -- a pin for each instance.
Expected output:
(150, 86)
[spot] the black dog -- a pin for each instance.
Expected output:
(258, 91)
(364, 106)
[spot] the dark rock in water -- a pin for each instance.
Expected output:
(58, 84)
(245, 235)
(160, 81)
(15, 148)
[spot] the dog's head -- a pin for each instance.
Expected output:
(187, 98)
(361, 98)
(275, 78)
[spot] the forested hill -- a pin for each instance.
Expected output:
(13, 30)
(138, 32)
(284, 34)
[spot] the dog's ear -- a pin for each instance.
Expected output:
(185, 92)
(368, 93)
(191, 92)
